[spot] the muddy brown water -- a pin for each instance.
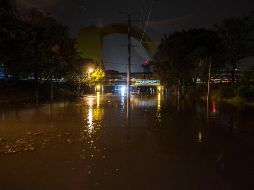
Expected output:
(93, 143)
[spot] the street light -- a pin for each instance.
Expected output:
(90, 70)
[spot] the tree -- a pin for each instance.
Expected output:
(13, 38)
(237, 36)
(79, 80)
(53, 53)
(96, 77)
(57, 57)
(182, 56)
(36, 45)
(245, 88)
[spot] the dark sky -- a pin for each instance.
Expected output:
(167, 16)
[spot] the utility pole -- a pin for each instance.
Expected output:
(209, 85)
(129, 70)
(129, 55)
(209, 79)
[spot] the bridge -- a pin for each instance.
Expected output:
(137, 79)
(134, 82)
(139, 82)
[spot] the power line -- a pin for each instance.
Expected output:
(147, 21)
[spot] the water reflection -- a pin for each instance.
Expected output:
(200, 137)
(212, 109)
(158, 115)
(128, 108)
(98, 99)
(214, 106)
(90, 114)
(94, 112)
(108, 152)
(144, 102)
(159, 101)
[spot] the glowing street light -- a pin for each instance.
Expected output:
(90, 70)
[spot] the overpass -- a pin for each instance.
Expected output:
(140, 82)
(134, 82)
(137, 79)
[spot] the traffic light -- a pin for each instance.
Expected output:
(146, 62)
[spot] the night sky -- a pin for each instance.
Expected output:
(167, 16)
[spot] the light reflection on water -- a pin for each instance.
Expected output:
(90, 114)
(90, 137)
(98, 100)
(158, 115)
(146, 101)
(95, 113)
(159, 101)
(200, 136)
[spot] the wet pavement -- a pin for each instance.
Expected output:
(98, 142)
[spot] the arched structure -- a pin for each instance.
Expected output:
(90, 40)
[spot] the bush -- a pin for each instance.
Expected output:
(246, 90)
(226, 91)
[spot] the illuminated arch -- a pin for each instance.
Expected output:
(90, 40)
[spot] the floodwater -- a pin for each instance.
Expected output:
(97, 142)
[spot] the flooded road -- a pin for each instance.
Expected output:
(95, 143)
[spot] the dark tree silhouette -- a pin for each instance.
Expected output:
(237, 36)
(183, 56)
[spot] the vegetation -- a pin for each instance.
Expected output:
(183, 57)
(96, 77)
(236, 35)
(36, 46)
(243, 90)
